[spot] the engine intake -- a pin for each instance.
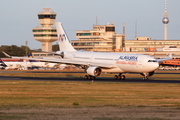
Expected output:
(93, 71)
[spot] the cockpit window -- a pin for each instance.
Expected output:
(152, 61)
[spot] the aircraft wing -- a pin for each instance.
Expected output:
(65, 61)
(163, 59)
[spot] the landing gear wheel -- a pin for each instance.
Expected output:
(145, 78)
(119, 77)
(115, 77)
(89, 77)
(123, 77)
(92, 78)
(86, 77)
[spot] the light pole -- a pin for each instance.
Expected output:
(26, 47)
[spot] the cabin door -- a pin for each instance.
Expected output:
(140, 61)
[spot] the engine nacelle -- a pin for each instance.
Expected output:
(93, 71)
(148, 74)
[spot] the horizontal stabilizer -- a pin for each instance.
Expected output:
(6, 54)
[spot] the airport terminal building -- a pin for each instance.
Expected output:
(102, 38)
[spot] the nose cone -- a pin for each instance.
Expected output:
(156, 65)
(152, 66)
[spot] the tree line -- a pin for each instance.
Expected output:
(15, 50)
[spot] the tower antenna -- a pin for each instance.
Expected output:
(135, 28)
(96, 20)
(165, 6)
(165, 21)
(123, 28)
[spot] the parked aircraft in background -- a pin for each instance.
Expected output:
(2, 65)
(95, 63)
(37, 64)
(14, 64)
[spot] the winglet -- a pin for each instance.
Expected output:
(6, 54)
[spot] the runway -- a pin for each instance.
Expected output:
(99, 79)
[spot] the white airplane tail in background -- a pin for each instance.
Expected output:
(64, 42)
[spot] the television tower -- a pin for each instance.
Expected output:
(165, 21)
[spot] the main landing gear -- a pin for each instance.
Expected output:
(120, 77)
(89, 77)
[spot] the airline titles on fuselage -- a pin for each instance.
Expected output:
(130, 60)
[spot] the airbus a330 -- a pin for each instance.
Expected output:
(94, 63)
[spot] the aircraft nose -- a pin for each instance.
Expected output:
(156, 65)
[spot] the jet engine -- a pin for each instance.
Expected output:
(148, 74)
(93, 71)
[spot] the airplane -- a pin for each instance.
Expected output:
(14, 65)
(2, 65)
(94, 63)
(37, 64)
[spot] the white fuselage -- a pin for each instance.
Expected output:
(42, 64)
(135, 63)
(24, 65)
(16, 65)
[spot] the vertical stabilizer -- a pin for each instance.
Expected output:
(30, 56)
(2, 63)
(64, 42)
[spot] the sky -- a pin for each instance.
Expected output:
(18, 17)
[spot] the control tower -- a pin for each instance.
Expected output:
(46, 33)
(165, 21)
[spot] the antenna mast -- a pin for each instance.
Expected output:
(124, 28)
(165, 21)
(135, 27)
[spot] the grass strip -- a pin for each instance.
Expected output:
(86, 94)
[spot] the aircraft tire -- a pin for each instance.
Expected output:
(89, 77)
(145, 78)
(123, 77)
(115, 77)
(86, 77)
(92, 78)
(119, 77)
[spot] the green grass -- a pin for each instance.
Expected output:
(63, 94)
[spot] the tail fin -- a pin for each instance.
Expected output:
(64, 42)
(30, 56)
(2, 63)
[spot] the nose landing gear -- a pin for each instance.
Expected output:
(145, 78)
(120, 77)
